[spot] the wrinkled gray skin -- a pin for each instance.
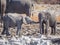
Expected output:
(16, 6)
(52, 23)
(49, 20)
(43, 19)
(19, 6)
(12, 21)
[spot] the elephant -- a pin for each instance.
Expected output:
(15, 6)
(11, 21)
(3, 6)
(20, 6)
(15, 20)
(2, 10)
(43, 19)
(49, 20)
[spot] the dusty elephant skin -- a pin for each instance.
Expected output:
(15, 6)
(44, 17)
(10, 20)
(52, 23)
(19, 6)
(15, 20)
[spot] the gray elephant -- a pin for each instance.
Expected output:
(16, 6)
(10, 21)
(43, 19)
(19, 6)
(15, 20)
(2, 10)
(49, 20)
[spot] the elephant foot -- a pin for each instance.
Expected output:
(3, 33)
(53, 33)
(19, 35)
(45, 32)
(41, 32)
(7, 34)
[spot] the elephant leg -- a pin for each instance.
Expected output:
(6, 26)
(43, 28)
(7, 20)
(3, 32)
(29, 10)
(19, 24)
(55, 28)
(40, 27)
(52, 30)
(46, 27)
(3, 8)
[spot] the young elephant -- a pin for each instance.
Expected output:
(49, 20)
(43, 19)
(15, 19)
(12, 20)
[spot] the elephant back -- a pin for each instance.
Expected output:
(52, 20)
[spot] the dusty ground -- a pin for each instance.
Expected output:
(32, 30)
